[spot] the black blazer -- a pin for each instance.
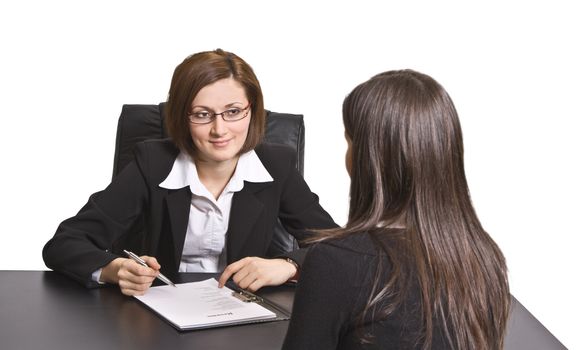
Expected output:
(83, 243)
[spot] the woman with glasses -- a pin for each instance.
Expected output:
(413, 268)
(208, 198)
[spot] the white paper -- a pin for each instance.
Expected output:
(201, 305)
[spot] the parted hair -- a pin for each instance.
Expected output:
(196, 72)
(409, 191)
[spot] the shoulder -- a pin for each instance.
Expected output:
(277, 159)
(156, 157)
(162, 146)
(355, 244)
(274, 152)
(353, 255)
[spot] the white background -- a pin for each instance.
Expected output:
(517, 72)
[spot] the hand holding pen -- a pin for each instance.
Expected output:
(142, 262)
(133, 276)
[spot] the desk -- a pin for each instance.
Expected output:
(45, 310)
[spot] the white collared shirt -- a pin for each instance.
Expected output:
(204, 247)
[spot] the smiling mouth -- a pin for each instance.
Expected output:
(219, 143)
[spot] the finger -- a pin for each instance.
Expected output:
(133, 292)
(255, 285)
(131, 278)
(245, 274)
(129, 288)
(135, 273)
(128, 285)
(151, 262)
(245, 281)
(264, 272)
(229, 271)
(137, 269)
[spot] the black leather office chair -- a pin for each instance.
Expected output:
(143, 122)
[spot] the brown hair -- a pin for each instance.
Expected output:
(409, 191)
(196, 72)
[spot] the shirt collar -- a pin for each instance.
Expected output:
(184, 173)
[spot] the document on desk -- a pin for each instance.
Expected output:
(198, 305)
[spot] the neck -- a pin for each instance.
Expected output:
(215, 175)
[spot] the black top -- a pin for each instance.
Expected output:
(83, 243)
(336, 280)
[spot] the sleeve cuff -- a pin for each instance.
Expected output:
(96, 276)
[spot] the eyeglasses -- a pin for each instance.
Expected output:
(230, 115)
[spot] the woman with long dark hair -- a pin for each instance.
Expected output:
(413, 268)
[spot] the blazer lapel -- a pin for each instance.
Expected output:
(245, 211)
(178, 205)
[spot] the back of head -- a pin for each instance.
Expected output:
(406, 136)
(407, 171)
(202, 69)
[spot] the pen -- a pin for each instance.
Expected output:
(137, 259)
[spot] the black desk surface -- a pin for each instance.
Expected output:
(45, 310)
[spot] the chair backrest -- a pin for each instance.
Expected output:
(143, 122)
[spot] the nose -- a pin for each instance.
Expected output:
(219, 126)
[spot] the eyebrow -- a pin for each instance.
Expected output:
(232, 104)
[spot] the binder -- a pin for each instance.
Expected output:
(202, 305)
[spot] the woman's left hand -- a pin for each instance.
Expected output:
(252, 273)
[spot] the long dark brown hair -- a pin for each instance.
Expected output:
(409, 191)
